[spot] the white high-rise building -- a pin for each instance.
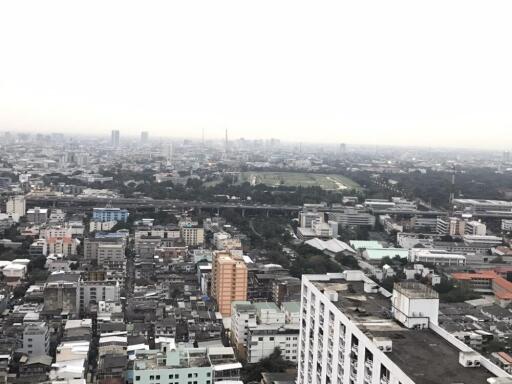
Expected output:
(475, 228)
(114, 138)
(355, 332)
(16, 206)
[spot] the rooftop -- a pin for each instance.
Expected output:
(291, 306)
(371, 312)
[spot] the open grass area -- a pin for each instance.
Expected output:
(275, 179)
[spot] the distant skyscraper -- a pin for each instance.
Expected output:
(115, 138)
(342, 149)
(506, 156)
(226, 141)
(144, 136)
(169, 152)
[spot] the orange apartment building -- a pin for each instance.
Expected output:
(229, 280)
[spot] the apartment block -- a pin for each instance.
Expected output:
(36, 339)
(229, 280)
(62, 294)
(96, 291)
(178, 365)
(111, 256)
(16, 206)
(110, 214)
(92, 246)
(192, 236)
(355, 332)
(37, 215)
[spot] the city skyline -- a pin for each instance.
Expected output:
(339, 72)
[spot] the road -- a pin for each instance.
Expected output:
(141, 203)
(76, 201)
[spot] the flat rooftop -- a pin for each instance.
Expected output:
(423, 355)
(429, 359)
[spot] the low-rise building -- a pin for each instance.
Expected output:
(98, 226)
(110, 214)
(36, 339)
(265, 338)
(435, 256)
(488, 282)
(38, 248)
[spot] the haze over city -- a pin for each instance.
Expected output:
(395, 73)
(255, 192)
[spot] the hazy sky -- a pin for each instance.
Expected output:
(391, 72)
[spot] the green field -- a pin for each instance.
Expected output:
(275, 179)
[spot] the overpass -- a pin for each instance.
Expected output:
(82, 203)
(76, 202)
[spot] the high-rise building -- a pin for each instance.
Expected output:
(342, 149)
(229, 280)
(144, 137)
(115, 138)
(62, 293)
(355, 332)
(16, 205)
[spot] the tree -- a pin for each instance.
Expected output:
(273, 363)
(348, 261)
(36, 263)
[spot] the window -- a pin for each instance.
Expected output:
(208, 374)
(171, 376)
(189, 375)
(137, 378)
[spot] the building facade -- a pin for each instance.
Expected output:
(110, 214)
(355, 332)
(229, 281)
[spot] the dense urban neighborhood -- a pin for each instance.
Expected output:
(145, 260)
